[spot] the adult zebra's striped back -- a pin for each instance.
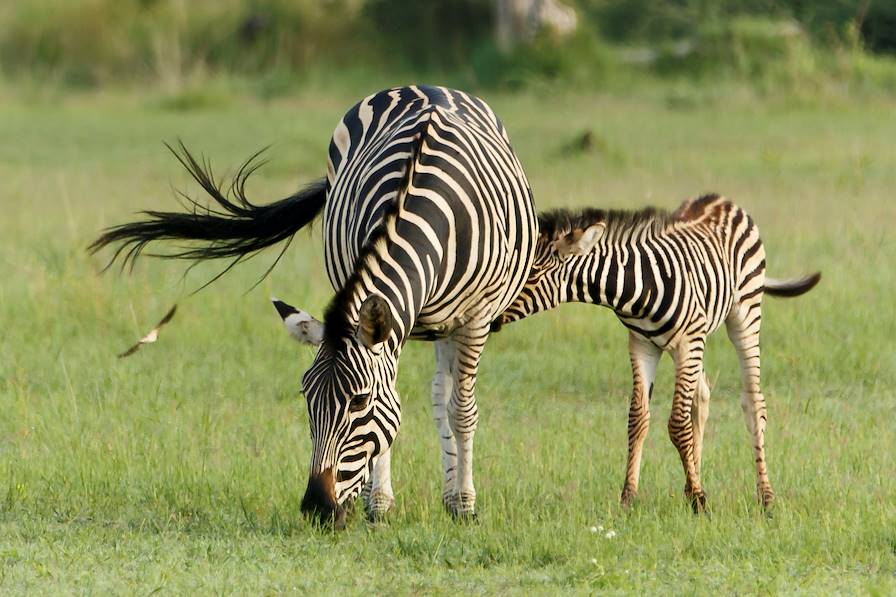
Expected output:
(429, 231)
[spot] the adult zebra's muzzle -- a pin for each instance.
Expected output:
(320, 499)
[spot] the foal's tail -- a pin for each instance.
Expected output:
(234, 228)
(789, 288)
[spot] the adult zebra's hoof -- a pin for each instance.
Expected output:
(449, 502)
(465, 517)
(461, 507)
(378, 505)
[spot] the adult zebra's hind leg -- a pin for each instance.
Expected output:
(688, 371)
(442, 384)
(644, 356)
(463, 414)
(743, 329)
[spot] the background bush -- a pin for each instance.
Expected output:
(768, 42)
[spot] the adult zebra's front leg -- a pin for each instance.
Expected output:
(463, 414)
(442, 386)
(378, 495)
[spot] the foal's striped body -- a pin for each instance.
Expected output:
(672, 279)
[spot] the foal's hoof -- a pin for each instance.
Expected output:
(698, 502)
(767, 499)
(628, 496)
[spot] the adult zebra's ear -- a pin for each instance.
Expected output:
(299, 324)
(578, 241)
(374, 321)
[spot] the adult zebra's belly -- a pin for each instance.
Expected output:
(482, 296)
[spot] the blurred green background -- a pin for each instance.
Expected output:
(181, 469)
(278, 45)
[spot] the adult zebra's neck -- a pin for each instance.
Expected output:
(391, 267)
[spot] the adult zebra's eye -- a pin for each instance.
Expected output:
(359, 401)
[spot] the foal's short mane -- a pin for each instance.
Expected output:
(560, 221)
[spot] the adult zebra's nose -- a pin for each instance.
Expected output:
(320, 499)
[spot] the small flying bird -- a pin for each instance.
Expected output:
(152, 336)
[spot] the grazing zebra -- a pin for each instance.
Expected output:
(429, 232)
(671, 279)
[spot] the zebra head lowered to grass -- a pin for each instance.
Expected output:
(672, 279)
(429, 232)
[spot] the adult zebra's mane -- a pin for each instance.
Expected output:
(337, 323)
(558, 222)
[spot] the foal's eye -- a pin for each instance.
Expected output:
(359, 401)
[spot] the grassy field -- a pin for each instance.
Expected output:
(181, 469)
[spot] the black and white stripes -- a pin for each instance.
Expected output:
(429, 232)
(672, 279)
(428, 208)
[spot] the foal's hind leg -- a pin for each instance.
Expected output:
(743, 330)
(699, 414)
(644, 356)
(688, 371)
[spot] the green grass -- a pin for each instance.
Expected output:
(182, 468)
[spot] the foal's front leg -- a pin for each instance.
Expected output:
(644, 356)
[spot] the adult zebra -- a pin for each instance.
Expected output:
(429, 231)
(672, 279)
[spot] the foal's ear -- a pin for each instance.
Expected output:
(374, 321)
(300, 325)
(579, 242)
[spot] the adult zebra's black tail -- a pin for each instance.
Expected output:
(234, 227)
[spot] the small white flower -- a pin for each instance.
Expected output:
(610, 534)
(593, 529)
(594, 561)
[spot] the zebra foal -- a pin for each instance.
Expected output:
(672, 279)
